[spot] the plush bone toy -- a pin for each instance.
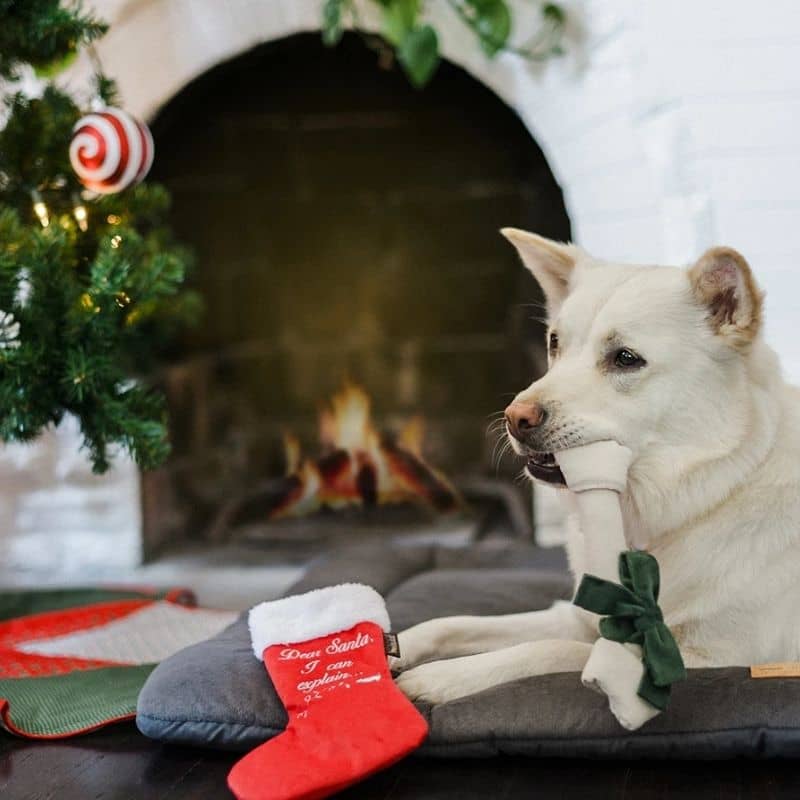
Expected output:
(636, 659)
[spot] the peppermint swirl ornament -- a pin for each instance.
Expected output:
(110, 150)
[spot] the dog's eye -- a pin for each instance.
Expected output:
(625, 359)
(553, 343)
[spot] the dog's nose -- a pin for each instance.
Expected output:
(521, 417)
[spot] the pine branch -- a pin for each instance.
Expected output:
(42, 32)
(90, 310)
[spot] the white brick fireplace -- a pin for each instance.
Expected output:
(670, 126)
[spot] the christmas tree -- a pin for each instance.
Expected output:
(90, 285)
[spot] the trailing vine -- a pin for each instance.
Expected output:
(414, 43)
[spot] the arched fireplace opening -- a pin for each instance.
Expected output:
(345, 227)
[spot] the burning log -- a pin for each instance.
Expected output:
(360, 467)
(418, 480)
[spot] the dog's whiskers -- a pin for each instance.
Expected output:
(496, 428)
(500, 449)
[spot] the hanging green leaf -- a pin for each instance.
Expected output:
(416, 45)
(332, 27)
(554, 13)
(419, 54)
(399, 20)
(492, 23)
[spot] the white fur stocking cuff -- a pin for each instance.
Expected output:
(317, 613)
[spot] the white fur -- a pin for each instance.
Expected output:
(320, 612)
(713, 489)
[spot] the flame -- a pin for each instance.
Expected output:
(347, 424)
(360, 467)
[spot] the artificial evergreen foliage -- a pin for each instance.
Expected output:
(85, 306)
(42, 32)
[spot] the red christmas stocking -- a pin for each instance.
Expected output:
(325, 655)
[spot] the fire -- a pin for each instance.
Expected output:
(359, 466)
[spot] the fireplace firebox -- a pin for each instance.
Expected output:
(346, 233)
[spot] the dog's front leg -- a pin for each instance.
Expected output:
(460, 636)
(441, 681)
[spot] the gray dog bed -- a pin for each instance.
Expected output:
(216, 694)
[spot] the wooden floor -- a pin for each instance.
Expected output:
(120, 763)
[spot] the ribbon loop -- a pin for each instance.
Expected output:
(638, 571)
(632, 616)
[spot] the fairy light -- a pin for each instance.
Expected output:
(116, 241)
(113, 219)
(88, 304)
(81, 214)
(40, 209)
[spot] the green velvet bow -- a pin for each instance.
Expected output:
(633, 616)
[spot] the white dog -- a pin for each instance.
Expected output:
(670, 363)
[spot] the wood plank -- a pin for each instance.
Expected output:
(121, 764)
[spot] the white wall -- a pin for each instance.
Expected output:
(58, 518)
(670, 126)
(722, 78)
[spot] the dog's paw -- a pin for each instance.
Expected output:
(417, 645)
(435, 682)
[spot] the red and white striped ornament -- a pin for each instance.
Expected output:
(110, 150)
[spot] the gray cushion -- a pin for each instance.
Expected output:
(217, 694)
(212, 694)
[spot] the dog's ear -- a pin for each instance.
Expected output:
(723, 283)
(550, 262)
